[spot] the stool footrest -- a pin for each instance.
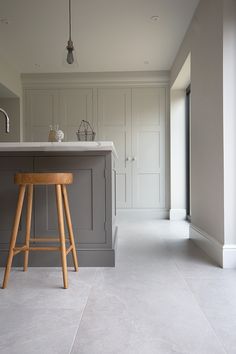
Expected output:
(50, 248)
(69, 250)
(46, 239)
(17, 250)
(44, 248)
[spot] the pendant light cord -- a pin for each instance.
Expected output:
(70, 19)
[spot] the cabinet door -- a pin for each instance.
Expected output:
(8, 195)
(148, 147)
(86, 198)
(41, 110)
(114, 124)
(75, 105)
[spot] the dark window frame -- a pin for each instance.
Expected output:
(188, 151)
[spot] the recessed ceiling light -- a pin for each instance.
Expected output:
(155, 18)
(4, 21)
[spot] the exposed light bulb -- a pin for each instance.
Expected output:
(70, 56)
(70, 48)
(70, 53)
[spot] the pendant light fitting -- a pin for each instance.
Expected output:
(70, 46)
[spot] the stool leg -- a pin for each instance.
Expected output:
(70, 228)
(62, 234)
(28, 224)
(15, 228)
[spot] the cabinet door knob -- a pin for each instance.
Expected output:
(128, 158)
(134, 159)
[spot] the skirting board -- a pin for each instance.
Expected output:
(86, 257)
(142, 214)
(178, 214)
(224, 255)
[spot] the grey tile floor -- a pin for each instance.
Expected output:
(164, 296)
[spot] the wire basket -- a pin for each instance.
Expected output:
(85, 132)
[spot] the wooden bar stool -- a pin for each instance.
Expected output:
(27, 181)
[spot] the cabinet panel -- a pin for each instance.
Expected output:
(148, 147)
(114, 123)
(148, 190)
(8, 195)
(41, 112)
(75, 105)
(86, 197)
(148, 150)
(67, 107)
(147, 106)
(113, 106)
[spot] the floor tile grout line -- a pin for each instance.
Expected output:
(81, 317)
(199, 306)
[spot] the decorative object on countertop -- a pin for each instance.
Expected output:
(59, 135)
(51, 134)
(85, 132)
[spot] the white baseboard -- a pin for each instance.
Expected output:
(178, 214)
(224, 255)
(142, 214)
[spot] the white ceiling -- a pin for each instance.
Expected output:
(109, 35)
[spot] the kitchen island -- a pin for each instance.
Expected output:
(91, 197)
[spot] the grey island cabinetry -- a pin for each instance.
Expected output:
(91, 197)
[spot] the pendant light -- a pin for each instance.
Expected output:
(70, 46)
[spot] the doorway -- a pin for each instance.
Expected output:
(180, 150)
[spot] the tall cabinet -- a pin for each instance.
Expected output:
(133, 117)
(148, 147)
(114, 123)
(74, 105)
(135, 120)
(41, 108)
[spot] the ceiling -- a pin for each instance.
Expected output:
(109, 35)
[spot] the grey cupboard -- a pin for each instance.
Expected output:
(8, 195)
(91, 201)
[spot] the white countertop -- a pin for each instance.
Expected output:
(64, 146)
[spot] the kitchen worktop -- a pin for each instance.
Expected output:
(64, 146)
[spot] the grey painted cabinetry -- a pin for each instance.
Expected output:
(8, 195)
(90, 199)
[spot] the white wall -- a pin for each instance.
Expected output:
(178, 155)
(178, 142)
(12, 107)
(211, 39)
(204, 40)
(11, 80)
(229, 67)
(207, 178)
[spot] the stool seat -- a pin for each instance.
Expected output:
(26, 182)
(43, 178)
